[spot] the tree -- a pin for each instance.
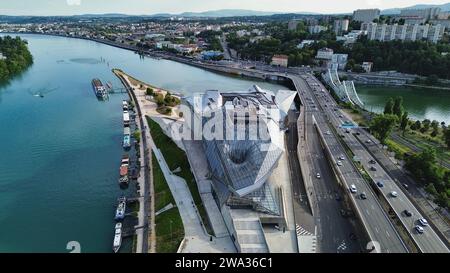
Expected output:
(149, 91)
(389, 107)
(447, 137)
(435, 125)
(431, 189)
(398, 107)
(382, 126)
(137, 136)
(426, 125)
(404, 122)
(416, 125)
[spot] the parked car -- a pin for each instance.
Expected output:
(363, 196)
(373, 169)
(318, 175)
(353, 188)
(372, 161)
(339, 163)
(380, 184)
(394, 194)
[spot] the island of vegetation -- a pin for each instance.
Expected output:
(14, 57)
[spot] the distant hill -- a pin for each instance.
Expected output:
(444, 7)
(225, 13)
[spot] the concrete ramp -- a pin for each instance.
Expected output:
(250, 235)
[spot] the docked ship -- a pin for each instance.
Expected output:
(117, 237)
(121, 207)
(126, 143)
(99, 89)
(123, 171)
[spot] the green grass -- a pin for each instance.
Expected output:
(169, 226)
(175, 157)
(169, 231)
(399, 149)
(163, 196)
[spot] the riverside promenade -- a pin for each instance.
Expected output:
(146, 237)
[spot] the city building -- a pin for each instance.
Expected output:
(338, 62)
(324, 54)
(350, 37)
(280, 60)
(243, 158)
(443, 22)
(163, 44)
(427, 14)
(209, 55)
(305, 43)
(316, 29)
(384, 32)
(341, 26)
(292, 25)
(366, 15)
(367, 66)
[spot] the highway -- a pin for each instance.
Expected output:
(429, 241)
(335, 233)
(375, 221)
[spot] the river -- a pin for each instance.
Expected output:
(420, 103)
(59, 155)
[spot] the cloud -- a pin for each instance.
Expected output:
(73, 2)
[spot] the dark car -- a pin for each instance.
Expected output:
(380, 184)
(372, 161)
(373, 169)
(407, 213)
(363, 196)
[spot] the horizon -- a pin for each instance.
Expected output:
(174, 7)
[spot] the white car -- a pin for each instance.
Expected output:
(394, 194)
(318, 175)
(368, 141)
(423, 222)
(353, 188)
(339, 163)
(419, 229)
(341, 157)
(328, 133)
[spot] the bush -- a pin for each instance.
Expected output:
(149, 91)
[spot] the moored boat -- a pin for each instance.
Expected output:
(99, 89)
(121, 207)
(117, 237)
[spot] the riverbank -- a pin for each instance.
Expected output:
(155, 103)
(146, 237)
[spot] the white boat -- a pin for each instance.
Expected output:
(117, 238)
(120, 211)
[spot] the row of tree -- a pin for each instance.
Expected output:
(16, 57)
(423, 166)
(417, 57)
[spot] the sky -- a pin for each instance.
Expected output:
(145, 7)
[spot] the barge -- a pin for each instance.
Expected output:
(99, 89)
